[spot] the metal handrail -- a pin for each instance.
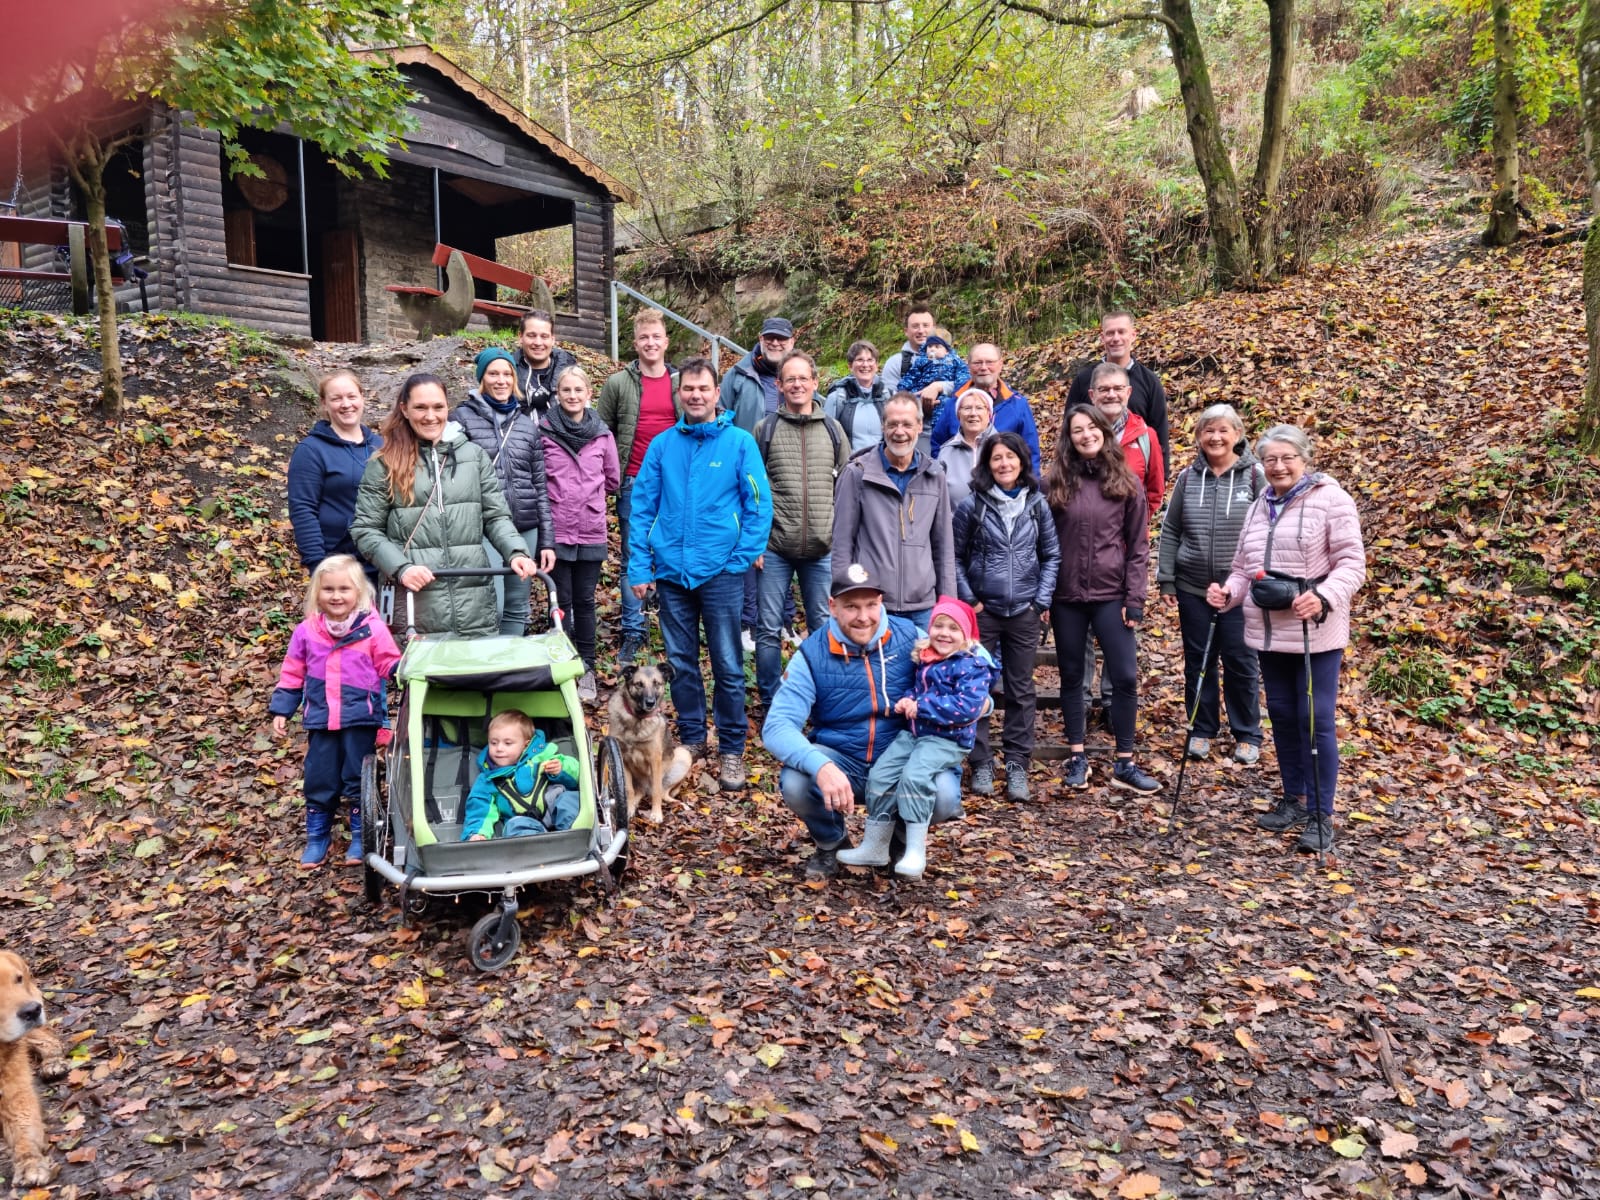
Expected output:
(716, 339)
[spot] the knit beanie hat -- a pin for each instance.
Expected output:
(935, 340)
(958, 611)
(485, 357)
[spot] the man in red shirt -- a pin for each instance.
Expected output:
(636, 404)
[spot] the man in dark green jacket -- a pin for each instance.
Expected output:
(804, 452)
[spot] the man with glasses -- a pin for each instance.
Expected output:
(891, 516)
(1148, 399)
(1012, 412)
(750, 390)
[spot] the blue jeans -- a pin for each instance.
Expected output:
(1284, 678)
(905, 779)
(917, 616)
(511, 595)
(632, 606)
(827, 828)
(717, 603)
(816, 576)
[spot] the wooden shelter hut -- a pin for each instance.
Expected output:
(305, 250)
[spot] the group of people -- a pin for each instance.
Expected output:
(894, 510)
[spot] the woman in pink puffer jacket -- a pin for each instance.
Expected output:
(1304, 525)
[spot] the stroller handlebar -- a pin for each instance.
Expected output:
(556, 615)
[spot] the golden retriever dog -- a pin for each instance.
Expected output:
(639, 723)
(24, 1038)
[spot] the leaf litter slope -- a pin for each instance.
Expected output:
(1068, 1004)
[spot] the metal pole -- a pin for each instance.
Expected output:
(438, 231)
(614, 321)
(714, 338)
(305, 242)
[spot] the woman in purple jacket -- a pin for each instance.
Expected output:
(1103, 525)
(580, 458)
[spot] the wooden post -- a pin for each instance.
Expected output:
(79, 269)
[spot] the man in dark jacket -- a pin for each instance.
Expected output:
(891, 515)
(750, 389)
(1149, 398)
(804, 452)
(539, 362)
(842, 683)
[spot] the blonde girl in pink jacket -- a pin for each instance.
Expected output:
(1302, 525)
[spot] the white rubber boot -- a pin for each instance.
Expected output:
(915, 859)
(874, 848)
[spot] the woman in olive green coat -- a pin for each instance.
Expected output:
(429, 499)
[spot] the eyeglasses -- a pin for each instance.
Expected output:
(1280, 460)
(1112, 389)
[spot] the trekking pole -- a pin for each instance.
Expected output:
(1194, 712)
(1311, 716)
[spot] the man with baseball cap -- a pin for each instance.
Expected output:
(843, 683)
(750, 389)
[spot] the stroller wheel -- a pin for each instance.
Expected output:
(493, 941)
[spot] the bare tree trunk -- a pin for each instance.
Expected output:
(524, 55)
(1589, 100)
(566, 90)
(86, 160)
(1229, 240)
(1263, 211)
(1502, 230)
(858, 48)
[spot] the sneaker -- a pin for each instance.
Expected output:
(731, 778)
(824, 864)
(698, 751)
(748, 641)
(1130, 778)
(1247, 753)
(1317, 836)
(632, 643)
(982, 783)
(586, 688)
(1199, 747)
(1077, 775)
(1017, 782)
(1283, 816)
(790, 637)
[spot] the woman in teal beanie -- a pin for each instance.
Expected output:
(492, 418)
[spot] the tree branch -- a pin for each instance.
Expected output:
(1076, 22)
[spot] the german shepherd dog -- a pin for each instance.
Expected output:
(639, 723)
(24, 1039)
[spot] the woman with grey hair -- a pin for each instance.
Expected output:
(975, 417)
(1297, 568)
(1209, 501)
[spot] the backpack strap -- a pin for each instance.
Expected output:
(769, 425)
(906, 357)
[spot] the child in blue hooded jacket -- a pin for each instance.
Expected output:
(524, 784)
(949, 695)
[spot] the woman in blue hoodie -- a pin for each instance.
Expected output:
(325, 471)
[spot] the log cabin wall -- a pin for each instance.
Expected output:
(276, 301)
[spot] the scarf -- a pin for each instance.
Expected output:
(574, 435)
(1277, 504)
(338, 629)
(763, 367)
(1010, 503)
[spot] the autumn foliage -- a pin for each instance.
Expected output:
(1069, 1003)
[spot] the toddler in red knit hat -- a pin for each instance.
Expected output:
(949, 693)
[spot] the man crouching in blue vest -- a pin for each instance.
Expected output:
(844, 681)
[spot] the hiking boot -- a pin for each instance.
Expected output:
(1247, 753)
(1317, 836)
(731, 778)
(1130, 778)
(1077, 775)
(632, 643)
(1283, 816)
(982, 782)
(824, 864)
(1199, 747)
(1017, 782)
(586, 688)
(698, 751)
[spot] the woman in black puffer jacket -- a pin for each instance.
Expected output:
(1007, 557)
(493, 419)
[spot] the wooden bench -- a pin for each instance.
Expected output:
(43, 231)
(441, 311)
